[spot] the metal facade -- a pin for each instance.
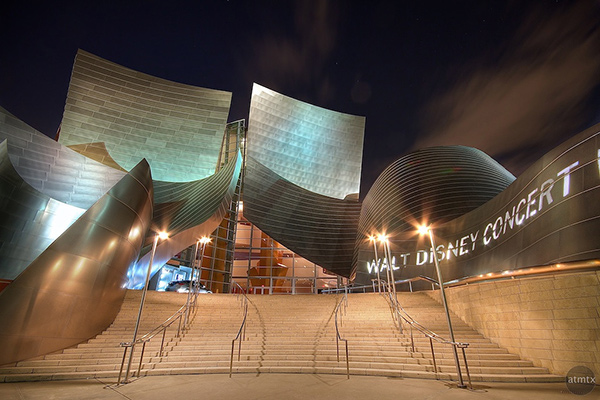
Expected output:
(74, 289)
(178, 128)
(317, 149)
(49, 187)
(186, 211)
(302, 162)
(319, 228)
(549, 215)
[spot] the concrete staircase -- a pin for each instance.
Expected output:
(284, 334)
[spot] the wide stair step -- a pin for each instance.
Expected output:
(284, 334)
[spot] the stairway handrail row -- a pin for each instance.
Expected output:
(401, 312)
(428, 333)
(241, 335)
(373, 281)
(343, 302)
(176, 316)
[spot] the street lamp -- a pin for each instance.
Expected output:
(157, 237)
(203, 240)
(388, 254)
(426, 230)
(374, 240)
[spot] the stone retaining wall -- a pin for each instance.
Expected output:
(553, 321)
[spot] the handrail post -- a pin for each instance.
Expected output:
(141, 358)
(231, 359)
(142, 301)
(241, 335)
(162, 343)
(433, 357)
(412, 340)
(245, 321)
(445, 304)
(338, 337)
(347, 361)
(179, 327)
(122, 365)
(467, 367)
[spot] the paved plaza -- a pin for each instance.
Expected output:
(282, 386)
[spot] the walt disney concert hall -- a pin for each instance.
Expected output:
(516, 260)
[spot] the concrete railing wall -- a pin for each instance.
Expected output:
(553, 321)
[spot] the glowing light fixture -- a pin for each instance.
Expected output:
(423, 230)
(163, 235)
(383, 238)
(374, 241)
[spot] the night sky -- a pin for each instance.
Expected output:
(512, 78)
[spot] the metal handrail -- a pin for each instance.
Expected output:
(401, 314)
(241, 335)
(176, 316)
(384, 283)
(343, 302)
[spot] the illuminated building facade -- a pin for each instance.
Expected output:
(486, 222)
(137, 154)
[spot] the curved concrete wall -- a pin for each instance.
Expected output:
(317, 149)
(178, 128)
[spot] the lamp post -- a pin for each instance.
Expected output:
(426, 230)
(388, 254)
(372, 239)
(203, 240)
(157, 237)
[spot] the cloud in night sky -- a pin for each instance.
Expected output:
(296, 58)
(533, 94)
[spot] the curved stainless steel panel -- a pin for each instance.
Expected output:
(29, 220)
(177, 128)
(321, 229)
(49, 188)
(317, 149)
(186, 211)
(74, 289)
(97, 151)
(53, 169)
(431, 185)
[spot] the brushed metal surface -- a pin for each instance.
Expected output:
(53, 169)
(177, 128)
(553, 228)
(49, 187)
(319, 228)
(433, 185)
(29, 220)
(317, 149)
(74, 289)
(186, 211)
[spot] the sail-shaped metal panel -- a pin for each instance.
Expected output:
(74, 289)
